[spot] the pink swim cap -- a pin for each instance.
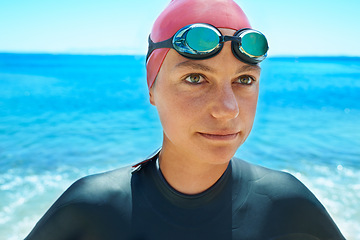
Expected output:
(179, 13)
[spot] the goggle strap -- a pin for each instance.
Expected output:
(163, 44)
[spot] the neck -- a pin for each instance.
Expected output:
(187, 174)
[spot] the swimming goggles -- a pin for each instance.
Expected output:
(202, 41)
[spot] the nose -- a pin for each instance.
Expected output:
(224, 103)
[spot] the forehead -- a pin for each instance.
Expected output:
(224, 64)
(227, 31)
(206, 67)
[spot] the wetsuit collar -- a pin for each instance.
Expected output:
(138, 166)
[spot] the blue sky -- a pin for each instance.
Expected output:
(299, 27)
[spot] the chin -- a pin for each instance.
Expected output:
(218, 155)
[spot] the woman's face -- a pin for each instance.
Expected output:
(206, 107)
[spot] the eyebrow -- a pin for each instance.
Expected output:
(249, 67)
(194, 65)
(199, 66)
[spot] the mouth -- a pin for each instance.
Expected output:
(220, 136)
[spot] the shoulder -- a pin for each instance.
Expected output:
(92, 203)
(282, 193)
(273, 183)
(99, 188)
(287, 205)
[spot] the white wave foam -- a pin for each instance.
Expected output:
(338, 190)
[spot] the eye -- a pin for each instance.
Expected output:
(194, 78)
(246, 80)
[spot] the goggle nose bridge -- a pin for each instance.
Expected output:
(230, 38)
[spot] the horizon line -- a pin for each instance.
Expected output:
(143, 55)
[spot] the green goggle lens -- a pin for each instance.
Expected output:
(202, 39)
(254, 44)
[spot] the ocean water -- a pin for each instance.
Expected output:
(66, 116)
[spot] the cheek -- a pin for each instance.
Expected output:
(252, 100)
(247, 111)
(252, 104)
(177, 111)
(180, 103)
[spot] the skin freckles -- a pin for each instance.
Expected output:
(207, 108)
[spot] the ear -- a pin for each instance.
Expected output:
(151, 95)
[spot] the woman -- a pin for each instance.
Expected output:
(203, 77)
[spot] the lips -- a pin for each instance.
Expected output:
(222, 136)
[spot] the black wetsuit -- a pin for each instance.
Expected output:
(247, 202)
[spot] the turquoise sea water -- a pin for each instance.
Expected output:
(66, 116)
